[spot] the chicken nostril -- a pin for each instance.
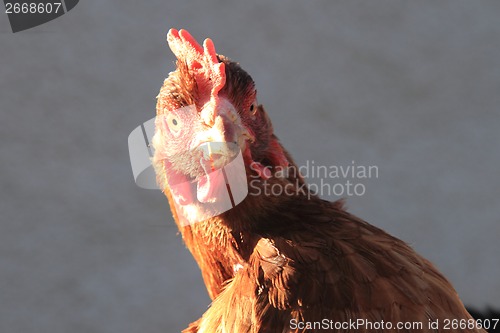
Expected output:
(210, 123)
(208, 118)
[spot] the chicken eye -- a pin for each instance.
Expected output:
(173, 123)
(253, 107)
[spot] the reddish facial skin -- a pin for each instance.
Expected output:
(273, 261)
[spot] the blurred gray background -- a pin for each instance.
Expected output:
(412, 87)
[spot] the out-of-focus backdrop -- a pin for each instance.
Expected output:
(411, 87)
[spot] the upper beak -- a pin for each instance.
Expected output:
(223, 125)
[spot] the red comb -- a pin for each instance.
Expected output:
(202, 61)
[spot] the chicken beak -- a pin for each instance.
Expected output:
(223, 125)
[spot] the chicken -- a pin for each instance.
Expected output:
(277, 263)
